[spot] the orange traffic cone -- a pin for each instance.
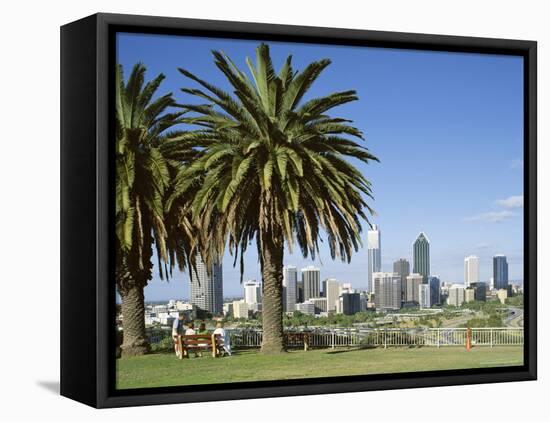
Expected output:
(468, 339)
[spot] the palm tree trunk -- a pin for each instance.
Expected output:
(134, 340)
(272, 248)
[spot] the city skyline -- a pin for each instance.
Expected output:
(452, 170)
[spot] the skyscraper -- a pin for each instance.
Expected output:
(311, 279)
(435, 290)
(290, 281)
(403, 268)
(421, 256)
(457, 295)
(471, 270)
(413, 281)
(206, 291)
(387, 291)
(500, 272)
(424, 296)
(374, 243)
(332, 293)
(351, 303)
(252, 294)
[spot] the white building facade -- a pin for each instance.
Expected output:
(374, 246)
(252, 294)
(471, 270)
(387, 291)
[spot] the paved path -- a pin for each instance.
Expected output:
(514, 318)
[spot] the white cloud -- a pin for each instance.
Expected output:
(511, 202)
(517, 164)
(491, 217)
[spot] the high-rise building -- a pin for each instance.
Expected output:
(332, 293)
(403, 268)
(435, 290)
(413, 281)
(387, 291)
(311, 279)
(290, 288)
(299, 291)
(500, 272)
(425, 299)
(374, 244)
(351, 303)
(456, 295)
(240, 309)
(471, 270)
(421, 256)
(252, 294)
(206, 291)
(480, 291)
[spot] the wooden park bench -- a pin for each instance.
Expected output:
(200, 342)
(292, 338)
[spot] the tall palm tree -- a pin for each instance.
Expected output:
(275, 171)
(149, 154)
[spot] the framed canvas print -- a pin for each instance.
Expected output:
(253, 210)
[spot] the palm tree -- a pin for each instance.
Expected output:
(149, 154)
(275, 171)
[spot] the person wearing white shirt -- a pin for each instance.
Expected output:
(225, 337)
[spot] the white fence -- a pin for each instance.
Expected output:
(390, 337)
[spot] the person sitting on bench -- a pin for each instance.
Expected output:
(178, 329)
(202, 330)
(191, 332)
(224, 336)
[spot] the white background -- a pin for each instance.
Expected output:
(29, 208)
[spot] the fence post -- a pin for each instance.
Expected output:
(438, 338)
(385, 339)
(491, 337)
(333, 338)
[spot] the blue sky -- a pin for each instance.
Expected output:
(447, 128)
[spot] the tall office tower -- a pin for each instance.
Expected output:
(311, 279)
(351, 303)
(421, 256)
(435, 290)
(413, 281)
(206, 291)
(387, 291)
(290, 288)
(374, 243)
(252, 294)
(332, 293)
(403, 268)
(299, 291)
(471, 270)
(500, 272)
(480, 291)
(424, 296)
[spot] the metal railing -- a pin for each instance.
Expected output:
(380, 337)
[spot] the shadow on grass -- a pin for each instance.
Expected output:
(337, 352)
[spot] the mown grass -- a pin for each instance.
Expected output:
(164, 369)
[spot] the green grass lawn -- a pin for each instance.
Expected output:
(163, 369)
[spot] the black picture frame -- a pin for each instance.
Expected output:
(87, 285)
